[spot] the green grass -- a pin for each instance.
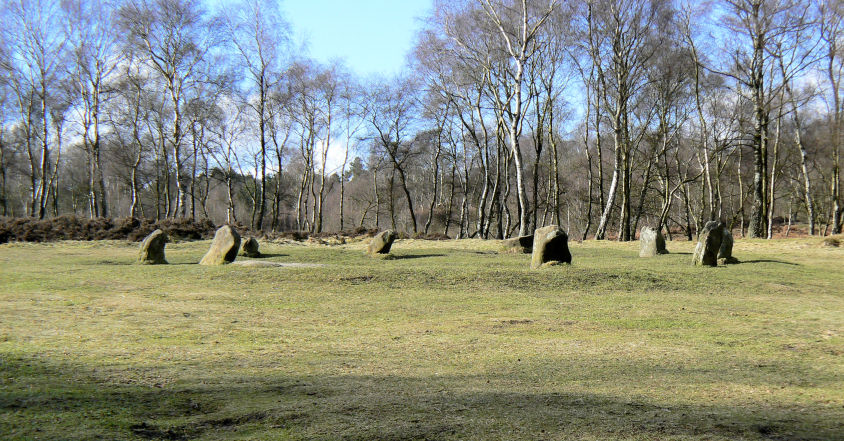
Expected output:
(449, 340)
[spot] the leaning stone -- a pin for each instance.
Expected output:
(652, 242)
(725, 252)
(709, 244)
(224, 247)
(550, 244)
(521, 244)
(381, 243)
(152, 248)
(250, 248)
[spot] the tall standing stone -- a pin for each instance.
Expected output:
(382, 242)
(152, 248)
(224, 247)
(725, 252)
(651, 242)
(709, 244)
(550, 244)
(250, 248)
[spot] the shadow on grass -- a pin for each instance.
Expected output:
(414, 256)
(72, 401)
(769, 261)
(269, 255)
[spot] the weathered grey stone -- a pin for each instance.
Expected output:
(250, 248)
(382, 242)
(521, 244)
(651, 242)
(725, 252)
(709, 244)
(550, 244)
(224, 247)
(152, 248)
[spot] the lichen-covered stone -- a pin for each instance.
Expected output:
(521, 244)
(224, 247)
(651, 242)
(152, 248)
(725, 252)
(709, 244)
(250, 248)
(550, 244)
(382, 242)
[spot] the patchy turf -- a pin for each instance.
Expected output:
(447, 340)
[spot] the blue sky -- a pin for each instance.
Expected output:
(373, 36)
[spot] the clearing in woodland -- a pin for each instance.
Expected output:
(447, 340)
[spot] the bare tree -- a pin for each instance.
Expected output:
(831, 33)
(259, 34)
(174, 36)
(38, 55)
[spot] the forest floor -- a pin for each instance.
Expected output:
(447, 340)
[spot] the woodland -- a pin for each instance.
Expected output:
(600, 116)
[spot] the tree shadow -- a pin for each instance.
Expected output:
(50, 399)
(268, 255)
(415, 256)
(768, 261)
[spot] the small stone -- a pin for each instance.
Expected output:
(651, 242)
(381, 243)
(518, 245)
(831, 242)
(224, 247)
(709, 244)
(550, 244)
(250, 248)
(725, 252)
(152, 248)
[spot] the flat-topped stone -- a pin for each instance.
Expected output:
(651, 242)
(521, 244)
(550, 244)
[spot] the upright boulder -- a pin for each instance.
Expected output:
(224, 247)
(725, 252)
(521, 244)
(381, 243)
(550, 245)
(152, 248)
(250, 248)
(651, 242)
(709, 244)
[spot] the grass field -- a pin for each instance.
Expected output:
(448, 340)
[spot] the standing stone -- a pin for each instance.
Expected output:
(550, 245)
(652, 242)
(250, 248)
(521, 244)
(381, 243)
(709, 244)
(152, 248)
(725, 252)
(224, 247)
